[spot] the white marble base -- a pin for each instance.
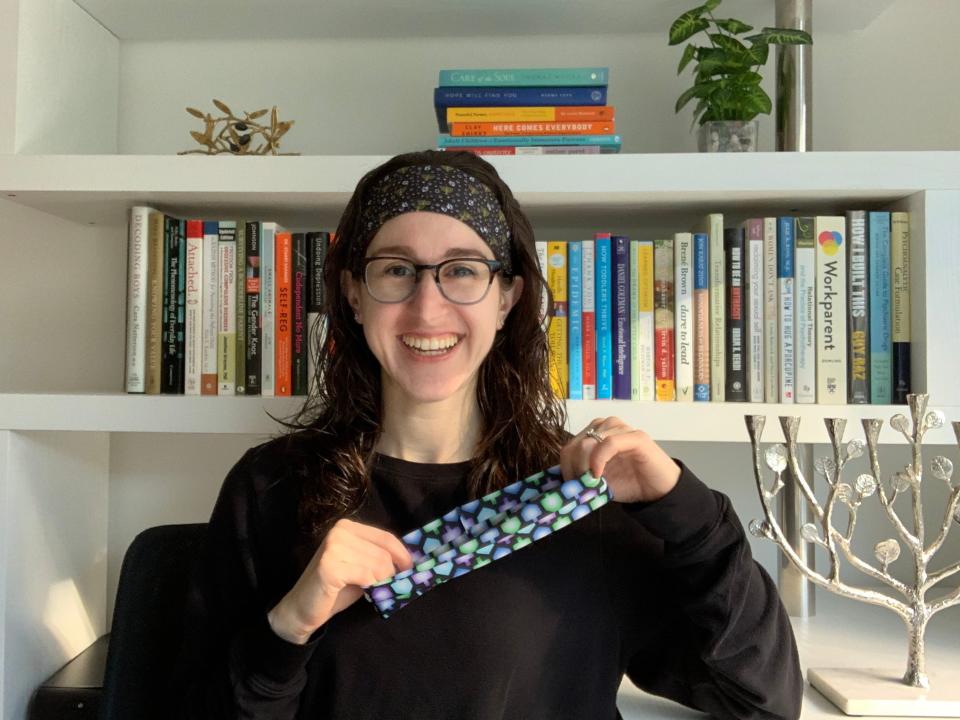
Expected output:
(859, 691)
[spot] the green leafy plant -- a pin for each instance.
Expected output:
(726, 78)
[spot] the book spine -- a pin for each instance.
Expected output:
(733, 245)
(240, 304)
(541, 150)
(588, 320)
(181, 301)
(805, 305)
(753, 309)
(299, 329)
(575, 312)
(541, 246)
(663, 304)
(211, 308)
(634, 323)
(621, 317)
(253, 321)
(683, 317)
(701, 311)
(881, 341)
(713, 226)
(771, 334)
(268, 309)
(785, 311)
(557, 333)
(832, 310)
(493, 129)
(447, 141)
(194, 308)
(156, 269)
(533, 113)
(444, 97)
(283, 352)
(318, 244)
(524, 77)
(227, 315)
(859, 308)
(168, 379)
(138, 264)
(648, 385)
(900, 298)
(604, 291)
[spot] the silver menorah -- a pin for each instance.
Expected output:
(909, 599)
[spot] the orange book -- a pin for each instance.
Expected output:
(284, 345)
(559, 113)
(490, 129)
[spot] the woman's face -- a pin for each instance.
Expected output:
(392, 328)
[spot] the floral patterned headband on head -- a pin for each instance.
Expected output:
(440, 189)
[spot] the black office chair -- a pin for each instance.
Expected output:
(148, 620)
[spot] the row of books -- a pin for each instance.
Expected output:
(526, 111)
(222, 307)
(777, 309)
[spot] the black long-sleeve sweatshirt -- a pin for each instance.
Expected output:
(666, 592)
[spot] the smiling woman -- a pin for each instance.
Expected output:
(423, 450)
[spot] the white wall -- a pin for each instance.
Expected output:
(890, 86)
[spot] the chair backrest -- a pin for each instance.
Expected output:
(148, 620)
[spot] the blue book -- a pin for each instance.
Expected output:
(604, 329)
(786, 311)
(575, 319)
(701, 289)
(881, 333)
(525, 77)
(520, 96)
(604, 141)
(621, 317)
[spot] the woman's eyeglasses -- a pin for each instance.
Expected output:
(463, 281)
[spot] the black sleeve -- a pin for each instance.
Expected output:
(701, 621)
(232, 664)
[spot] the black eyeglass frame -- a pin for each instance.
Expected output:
(494, 265)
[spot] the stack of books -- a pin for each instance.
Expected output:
(526, 111)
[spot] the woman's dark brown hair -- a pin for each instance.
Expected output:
(331, 440)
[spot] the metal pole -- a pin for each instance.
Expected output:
(794, 90)
(796, 591)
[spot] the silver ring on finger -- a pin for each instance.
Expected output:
(591, 433)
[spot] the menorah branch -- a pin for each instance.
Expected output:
(908, 538)
(952, 505)
(941, 575)
(868, 569)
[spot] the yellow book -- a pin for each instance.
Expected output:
(645, 320)
(557, 332)
(578, 113)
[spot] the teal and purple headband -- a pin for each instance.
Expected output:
(440, 189)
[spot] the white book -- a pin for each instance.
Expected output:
(645, 320)
(753, 309)
(541, 246)
(805, 335)
(712, 224)
(227, 316)
(771, 366)
(683, 314)
(268, 345)
(785, 311)
(193, 311)
(211, 308)
(588, 308)
(137, 297)
(830, 243)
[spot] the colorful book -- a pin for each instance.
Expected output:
(753, 308)
(858, 309)
(771, 330)
(663, 309)
(785, 311)
(446, 97)
(683, 315)
(227, 308)
(173, 270)
(541, 247)
(283, 350)
(193, 314)
(881, 339)
(805, 307)
(541, 150)
(610, 141)
(645, 322)
(299, 330)
(734, 246)
(557, 332)
(712, 224)
(900, 300)
(532, 113)
(575, 318)
(701, 313)
(211, 307)
(588, 319)
(563, 127)
(318, 244)
(240, 305)
(268, 309)
(253, 324)
(155, 304)
(603, 299)
(525, 77)
(621, 317)
(832, 310)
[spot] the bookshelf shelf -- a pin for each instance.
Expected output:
(670, 422)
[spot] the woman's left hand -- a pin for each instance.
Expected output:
(635, 467)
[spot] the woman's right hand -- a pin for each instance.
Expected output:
(351, 556)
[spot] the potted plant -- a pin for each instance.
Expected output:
(726, 78)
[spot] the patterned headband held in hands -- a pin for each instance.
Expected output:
(440, 189)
